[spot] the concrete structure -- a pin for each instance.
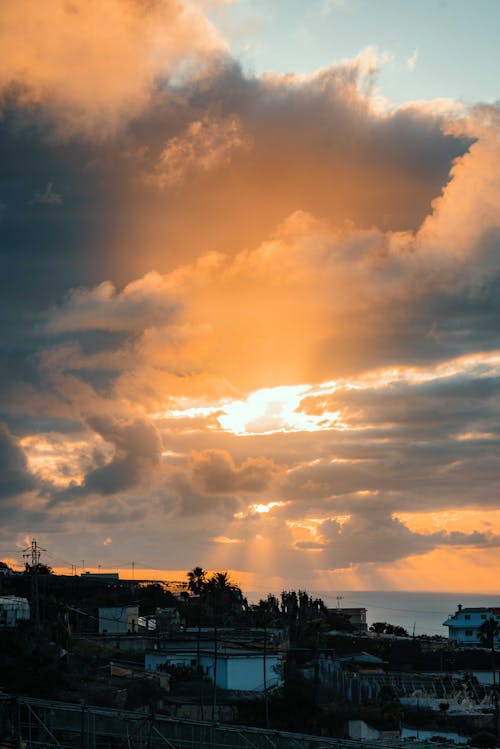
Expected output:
(13, 610)
(233, 668)
(463, 625)
(118, 619)
(361, 731)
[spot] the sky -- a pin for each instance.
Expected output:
(249, 297)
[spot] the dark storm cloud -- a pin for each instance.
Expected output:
(137, 446)
(217, 163)
(214, 471)
(15, 476)
(377, 537)
(185, 500)
(449, 405)
(309, 140)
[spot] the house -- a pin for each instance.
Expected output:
(164, 620)
(118, 619)
(232, 668)
(356, 616)
(12, 610)
(463, 625)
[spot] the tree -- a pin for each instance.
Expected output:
(197, 580)
(384, 628)
(488, 633)
(220, 599)
(37, 569)
(224, 594)
(266, 611)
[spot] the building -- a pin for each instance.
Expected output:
(463, 625)
(13, 610)
(164, 620)
(115, 620)
(354, 677)
(355, 616)
(232, 668)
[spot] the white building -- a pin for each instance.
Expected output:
(463, 625)
(13, 610)
(234, 668)
(116, 620)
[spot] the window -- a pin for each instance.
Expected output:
(468, 632)
(467, 616)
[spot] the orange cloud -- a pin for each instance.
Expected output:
(94, 63)
(205, 145)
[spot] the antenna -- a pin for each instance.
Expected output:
(33, 552)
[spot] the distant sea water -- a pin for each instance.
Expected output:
(422, 613)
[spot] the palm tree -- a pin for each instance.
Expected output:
(220, 583)
(488, 633)
(224, 597)
(197, 580)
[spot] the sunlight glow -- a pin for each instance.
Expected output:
(465, 521)
(227, 540)
(259, 508)
(273, 409)
(57, 458)
(281, 409)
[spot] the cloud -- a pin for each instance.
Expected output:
(301, 303)
(377, 537)
(94, 64)
(205, 145)
(140, 304)
(411, 62)
(185, 500)
(15, 476)
(214, 471)
(137, 446)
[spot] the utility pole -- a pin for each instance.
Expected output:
(33, 552)
(214, 693)
(266, 700)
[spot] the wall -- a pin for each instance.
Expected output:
(153, 659)
(12, 610)
(247, 674)
(118, 619)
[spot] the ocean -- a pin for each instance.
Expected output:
(422, 613)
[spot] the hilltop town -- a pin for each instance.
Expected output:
(194, 656)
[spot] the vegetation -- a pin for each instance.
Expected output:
(216, 600)
(37, 569)
(384, 628)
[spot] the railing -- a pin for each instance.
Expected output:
(46, 724)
